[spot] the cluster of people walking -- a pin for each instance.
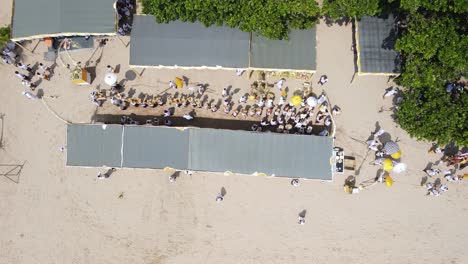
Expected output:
(24, 71)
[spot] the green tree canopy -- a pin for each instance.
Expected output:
(270, 18)
(337, 9)
(434, 52)
(4, 35)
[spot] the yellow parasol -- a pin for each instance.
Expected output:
(387, 165)
(388, 181)
(396, 155)
(296, 100)
(179, 82)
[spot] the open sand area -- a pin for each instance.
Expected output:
(51, 213)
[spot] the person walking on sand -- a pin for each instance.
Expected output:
(167, 113)
(24, 67)
(432, 172)
(44, 67)
(323, 80)
(110, 69)
(301, 220)
(279, 84)
(224, 93)
(29, 95)
(187, 117)
(28, 84)
(243, 99)
(43, 75)
(21, 76)
(219, 198)
(172, 85)
(7, 60)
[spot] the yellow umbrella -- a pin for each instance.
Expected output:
(396, 155)
(296, 100)
(179, 82)
(387, 165)
(388, 181)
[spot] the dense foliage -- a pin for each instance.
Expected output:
(4, 35)
(337, 9)
(434, 52)
(270, 18)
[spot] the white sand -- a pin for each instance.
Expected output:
(58, 214)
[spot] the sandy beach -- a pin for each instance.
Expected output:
(51, 213)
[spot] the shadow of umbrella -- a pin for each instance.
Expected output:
(130, 75)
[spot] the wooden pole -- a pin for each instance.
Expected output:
(23, 47)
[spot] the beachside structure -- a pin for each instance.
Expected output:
(375, 41)
(192, 45)
(33, 19)
(200, 149)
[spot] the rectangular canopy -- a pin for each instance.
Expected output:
(47, 18)
(187, 45)
(200, 149)
(301, 156)
(94, 145)
(192, 45)
(296, 53)
(376, 38)
(155, 147)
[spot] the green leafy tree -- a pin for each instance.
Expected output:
(455, 6)
(434, 54)
(270, 18)
(4, 35)
(337, 9)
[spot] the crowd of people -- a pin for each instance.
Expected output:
(275, 115)
(125, 10)
(458, 161)
(25, 72)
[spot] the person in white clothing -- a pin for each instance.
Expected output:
(301, 220)
(187, 117)
(30, 95)
(21, 76)
(323, 80)
(243, 99)
(167, 113)
(280, 83)
(172, 85)
(281, 100)
(432, 172)
(7, 60)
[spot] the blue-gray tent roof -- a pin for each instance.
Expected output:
(377, 37)
(42, 18)
(187, 44)
(200, 149)
(94, 145)
(296, 53)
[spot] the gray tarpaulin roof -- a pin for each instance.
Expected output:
(376, 38)
(270, 153)
(42, 18)
(297, 53)
(94, 146)
(159, 147)
(200, 149)
(187, 44)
